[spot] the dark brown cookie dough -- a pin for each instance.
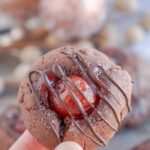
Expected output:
(143, 146)
(11, 126)
(111, 85)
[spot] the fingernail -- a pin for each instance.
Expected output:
(69, 145)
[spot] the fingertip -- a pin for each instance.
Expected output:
(27, 142)
(69, 145)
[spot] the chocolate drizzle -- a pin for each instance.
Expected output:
(37, 98)
(96, 84)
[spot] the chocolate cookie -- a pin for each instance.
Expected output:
(73, 19)
(143, 146)
(141, 89)
(11, 127)
(73, 94)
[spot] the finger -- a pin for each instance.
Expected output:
(27, 142)
(69, 145)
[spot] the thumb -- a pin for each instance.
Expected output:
(69, 145)
(27, 142)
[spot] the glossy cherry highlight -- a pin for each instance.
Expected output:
(84, 94)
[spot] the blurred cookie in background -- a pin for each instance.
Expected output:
(12, 81)
(19, 72)
(140, 73)
(143, 146)
(2, 85)
(73, 19)
(140, 112)
(5, 140)
(20, 9)
(21, 36)
(145, 21)
(127, 6)
(30, 54)
(11, 126)
(141, 95)
(122, 58)
(108, 37)
(134, 34)
(85, 43)
(53, 41)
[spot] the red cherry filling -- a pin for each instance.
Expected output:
(88, 96)
(65, 95)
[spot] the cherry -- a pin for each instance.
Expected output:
(45, 94)
(65, 95)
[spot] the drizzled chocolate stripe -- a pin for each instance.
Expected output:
(92, 106)
(81, 64)
(124, 94)
(93, 75)
(37, 99)
(57, 96)
(95, 83)
(79, 104)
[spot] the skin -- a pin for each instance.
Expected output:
(27, 142)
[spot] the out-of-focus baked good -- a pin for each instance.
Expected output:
(108, 37)
(20, 9)
(11, 126)
(127, 5)
(143, 146)
(145, 21)
(134, 34)
(140, 73)
(22, 36)
(73, 19)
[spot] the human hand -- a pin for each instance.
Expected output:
(27, 142)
